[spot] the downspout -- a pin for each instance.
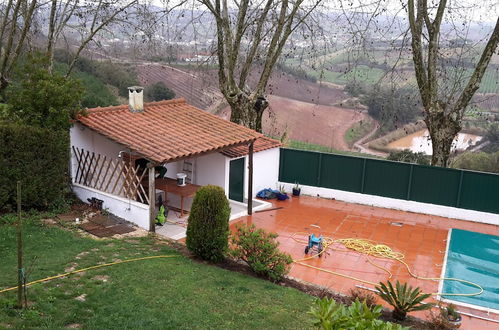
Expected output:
(250, 179)
(152, 198)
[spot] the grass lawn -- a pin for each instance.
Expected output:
(174, 293)
(358, 131)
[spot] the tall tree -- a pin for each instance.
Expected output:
(15, 24)
(86, 18)
(251, 36)
(39, 98)
(443, 111)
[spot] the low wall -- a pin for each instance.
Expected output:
(398, 204)
(129, 210)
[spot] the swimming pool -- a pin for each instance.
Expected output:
(473, 257)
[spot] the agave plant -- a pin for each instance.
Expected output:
(403, 298)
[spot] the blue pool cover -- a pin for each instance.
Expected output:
(473, 257)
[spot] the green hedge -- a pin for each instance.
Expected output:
(39, 158)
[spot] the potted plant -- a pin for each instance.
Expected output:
(296, 189)
(281, 194)
(451, 316)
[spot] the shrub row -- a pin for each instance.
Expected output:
(39, 158)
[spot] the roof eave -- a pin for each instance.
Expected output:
(199, 154)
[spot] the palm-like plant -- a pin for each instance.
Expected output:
(403, 298)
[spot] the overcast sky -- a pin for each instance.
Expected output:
(474, 10)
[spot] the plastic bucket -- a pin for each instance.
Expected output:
(181, 179)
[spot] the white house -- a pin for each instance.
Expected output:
(118, 153)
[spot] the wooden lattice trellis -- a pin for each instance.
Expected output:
(114, 176)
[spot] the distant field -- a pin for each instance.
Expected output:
(490, 82)
(360, 73)
(325, 67)
(308, 123)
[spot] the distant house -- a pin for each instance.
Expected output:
(119, 154)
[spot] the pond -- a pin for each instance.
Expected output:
(420, 142)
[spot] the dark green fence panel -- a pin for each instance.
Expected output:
(388, 179)
(341, 172)
(480, 191)
(435, 185)
(299, 166)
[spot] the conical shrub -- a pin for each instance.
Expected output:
(208, 224)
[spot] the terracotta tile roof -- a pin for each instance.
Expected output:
(167, 130)
(261, 144)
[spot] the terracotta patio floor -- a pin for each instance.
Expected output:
(421, 238)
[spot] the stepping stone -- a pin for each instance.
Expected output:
(121, 229)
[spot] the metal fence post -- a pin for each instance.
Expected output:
(319, 168)
(458, 200)
(363, 181)
(409, 185)
(281, 162)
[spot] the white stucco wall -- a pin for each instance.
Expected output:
(265, 170)
(398, 204)
(129, 210)
(210, 169)
(87, 139)
(84, 137)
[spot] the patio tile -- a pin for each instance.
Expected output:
(421, 238)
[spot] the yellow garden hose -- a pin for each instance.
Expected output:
(371, 248)
(88, 268)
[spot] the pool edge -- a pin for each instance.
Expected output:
(441, 284)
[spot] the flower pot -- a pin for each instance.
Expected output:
(453, 323)
(282, 196)
(296, 192)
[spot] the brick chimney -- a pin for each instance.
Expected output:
(136, 98)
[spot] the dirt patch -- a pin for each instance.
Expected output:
(82, 297)
(81, 254)
(102, 278)
(308, 122)
(49, 222)
(410, 321)
(71, 268)
(69, 217)
(73, 326)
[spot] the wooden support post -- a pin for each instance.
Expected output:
(152, 199)
(20, 268)
(250, 179)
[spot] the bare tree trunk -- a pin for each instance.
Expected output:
(443, 130)
(248, 111)
(16, 36)
(443, 113)
(265, 28)
(51, 34)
